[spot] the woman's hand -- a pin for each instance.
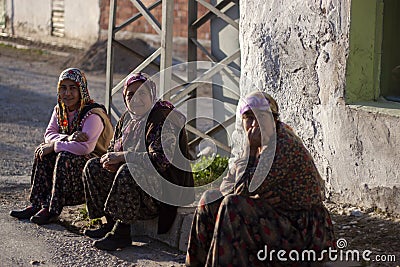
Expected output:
(259, 136)
(78, 137)
(44, 149)
(112, 160)
(254, 137)
(268, 198)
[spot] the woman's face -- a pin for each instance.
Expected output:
(138, 98)
(70, 94)
(260, 119)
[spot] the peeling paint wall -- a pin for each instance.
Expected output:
(297, 50)
(32, 19)
(82, 20)
(28, 17)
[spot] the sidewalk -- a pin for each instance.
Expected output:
(177, 237)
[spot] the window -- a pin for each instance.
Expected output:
(373, 68)
(57, 18)
(390, 70)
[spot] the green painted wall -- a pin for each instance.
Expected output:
(362, 75)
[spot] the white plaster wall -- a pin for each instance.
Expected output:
(29, 17)
(32, 19)
(297, 51)
(82, 20)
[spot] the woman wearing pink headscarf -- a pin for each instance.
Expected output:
(79, 129)
(271, 197)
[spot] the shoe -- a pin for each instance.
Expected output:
(24, 213)
(119, 237)
(100, 232)
(44, 217)
(112, 242)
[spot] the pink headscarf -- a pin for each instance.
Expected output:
(259, 100)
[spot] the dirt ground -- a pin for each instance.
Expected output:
(25, 113)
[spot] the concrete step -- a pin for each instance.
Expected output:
(176, 237)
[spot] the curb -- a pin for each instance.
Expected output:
(177, 236)
(27, 47)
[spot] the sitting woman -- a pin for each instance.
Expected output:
(270, 197)
(126, 184)
(79, 129)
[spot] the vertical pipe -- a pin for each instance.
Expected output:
(166, 48)
(192, 59)
(110, 55)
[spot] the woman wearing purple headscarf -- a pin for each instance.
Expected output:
(269, 201)
(148, 131)
(79, 129)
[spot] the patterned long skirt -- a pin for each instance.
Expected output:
(117, 194)
(239, 231)
(56, 181)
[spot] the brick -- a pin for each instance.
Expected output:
(126, 9)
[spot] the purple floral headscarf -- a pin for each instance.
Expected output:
(140, 77)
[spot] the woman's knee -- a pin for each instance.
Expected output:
(123, 173)
(90, 167)
(65, 156)
(93, 163)
(123, 168)
(210, 196)
(233, 200)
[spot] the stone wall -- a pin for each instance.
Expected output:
(297, 51)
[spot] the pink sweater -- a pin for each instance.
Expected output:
(92, 126)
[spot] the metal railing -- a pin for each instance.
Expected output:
(187, 85)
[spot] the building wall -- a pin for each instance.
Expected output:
(82, 19)
(24, 20)
(297, 51)
(143, 30)
(32, 19)
(87, 21)
(2, 14)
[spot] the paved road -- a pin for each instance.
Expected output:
(26, 244)
(27, 95)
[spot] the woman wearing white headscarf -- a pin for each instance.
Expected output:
(143, 135)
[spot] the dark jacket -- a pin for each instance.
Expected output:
(177, 172)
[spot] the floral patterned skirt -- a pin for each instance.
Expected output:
(56, 181)
(117, 194)
(234, 229)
